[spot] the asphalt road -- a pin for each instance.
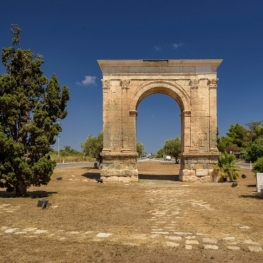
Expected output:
(91, 164)
(79, 164)
(245, 165)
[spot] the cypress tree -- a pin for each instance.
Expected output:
(31, 106)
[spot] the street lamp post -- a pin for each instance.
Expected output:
(58, 146)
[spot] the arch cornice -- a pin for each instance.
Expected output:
(170, 88)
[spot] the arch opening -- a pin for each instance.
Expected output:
(157, 121)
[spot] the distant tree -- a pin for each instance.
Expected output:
(30, 107)
(236, 139)
(140, 149)
(232, 148)
(223, 143)
(173, 147)
(93, 146)
(67, 151)
(255, 129)
(254, 150)
(160, 153)
(238, 135)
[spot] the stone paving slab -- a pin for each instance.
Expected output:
(172, 244)
(255, 249)
(172, 240)
(209, 240)
(211, 247)
(191, 242)
(233, 247)
(175, 238)
(250, 242)
(174, 207)
(162, 222)
(104, 235)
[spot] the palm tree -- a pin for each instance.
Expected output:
(227, 166)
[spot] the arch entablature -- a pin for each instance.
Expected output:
(171, 89)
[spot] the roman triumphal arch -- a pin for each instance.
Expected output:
(191, 83)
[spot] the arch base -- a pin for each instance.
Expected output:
(190, 176)
(119, 167)
(199, 167)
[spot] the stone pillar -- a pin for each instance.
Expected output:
(133, 118)
(186, 131)
(125, 122)
(213, 115)
(198, 162)
(107, 118)
(119, 153)
(195, 118)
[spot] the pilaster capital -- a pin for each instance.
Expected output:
(133, 113)
(106, 84)
(106, 150)
(204, 81)
(125, 83)
(194, 83)
(213, 82)
(186, 113)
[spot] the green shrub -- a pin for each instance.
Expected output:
(258, 166)
(227, 167)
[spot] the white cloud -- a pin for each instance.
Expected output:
(88, 80)
(156, 48)
(174, 46)
(177, 45)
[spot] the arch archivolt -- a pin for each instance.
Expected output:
(191, 83)
(169, 88)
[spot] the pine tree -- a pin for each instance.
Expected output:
(30, 107)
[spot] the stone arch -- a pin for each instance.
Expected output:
(162, 87)
(191, 83)
(173, 90)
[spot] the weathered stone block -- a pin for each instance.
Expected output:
(201, 172)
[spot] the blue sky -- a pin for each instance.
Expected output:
(73, 35)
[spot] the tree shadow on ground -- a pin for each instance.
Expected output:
(159, 177)
(254, 196)
(96, 176)
(30, 194)
(92, 176)
(39, 194)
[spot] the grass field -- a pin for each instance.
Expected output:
(158, 219)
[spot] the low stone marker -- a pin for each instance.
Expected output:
(42, 203)
(260, 182)
(201, 172)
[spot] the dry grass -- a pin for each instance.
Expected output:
(81, 208)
